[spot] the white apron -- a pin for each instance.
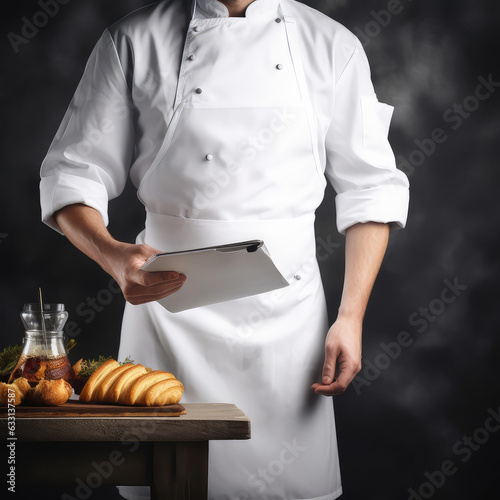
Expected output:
(239, 166)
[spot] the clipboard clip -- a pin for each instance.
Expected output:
(249, 246)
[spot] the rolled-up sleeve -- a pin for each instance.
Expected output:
(360, 163)
(90, 156)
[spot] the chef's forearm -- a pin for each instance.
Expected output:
(84, 227)
(365, 248)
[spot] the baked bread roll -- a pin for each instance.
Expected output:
(49, 393)
(14, 393)
(131, 384)
(166, 392)
(103, 388)
(45, 393)
(97, 377)
(141, 391)
(121, 386)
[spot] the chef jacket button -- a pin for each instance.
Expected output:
(209, 157)
(298, 277)
(196, 29)
(192, 57)
(279, 66)
(198, 91)
(278, 20)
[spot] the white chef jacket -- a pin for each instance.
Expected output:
(121, 110)
(117, 125)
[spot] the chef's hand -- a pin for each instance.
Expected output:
(342, 356)
(140, 287)
(364, 250)
(85, 228)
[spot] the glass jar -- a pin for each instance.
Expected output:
(44, 355)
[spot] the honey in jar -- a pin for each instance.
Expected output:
(44, 355)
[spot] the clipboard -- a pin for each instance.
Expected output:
(218, 274)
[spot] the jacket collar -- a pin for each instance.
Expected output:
(207, 9)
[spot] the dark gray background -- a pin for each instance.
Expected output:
(439, 389)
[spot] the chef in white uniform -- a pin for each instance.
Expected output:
(229, 116)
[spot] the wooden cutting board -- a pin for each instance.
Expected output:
(75, 408)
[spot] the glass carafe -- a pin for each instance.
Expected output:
(44, 355)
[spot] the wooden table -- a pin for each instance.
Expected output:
(170, 454)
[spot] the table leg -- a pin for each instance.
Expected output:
(180, 471)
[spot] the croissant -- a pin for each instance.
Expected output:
(50, 393)
(14, 393)
(45, 392)
(131, 384)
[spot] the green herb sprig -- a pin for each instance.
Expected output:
(89, 366)
(8, 360)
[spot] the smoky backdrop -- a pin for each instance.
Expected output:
(421, 420)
